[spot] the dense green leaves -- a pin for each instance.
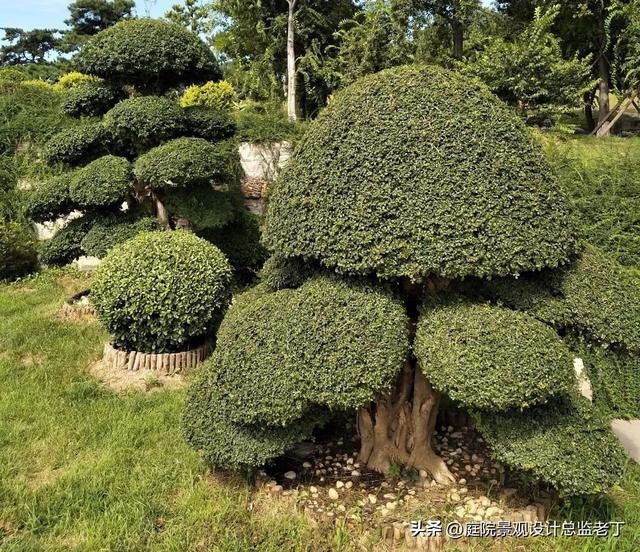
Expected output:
(161, 291)
(91, 99)
(103, 183)
(182, 163)
(326, 343)
(490, 357)
(568, 444)
(392, 181)
(151, 54)
(208, 123)
(113, 229)
(204, 207)
(65, 245)
(50, 199)
(18, 249)
(77, 145)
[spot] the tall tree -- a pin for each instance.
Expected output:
(291, 61)
(89, 17)
(195, 15)
(27, 46)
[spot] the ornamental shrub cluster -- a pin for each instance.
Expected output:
(91, 99)
(110, 230)
(491, 358)
(78, 144)
(277, 359)
(162, 291)
(104, 182)
(219, 96)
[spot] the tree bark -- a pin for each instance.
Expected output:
(161, 212)
(291, 63)
(588, 110)
(458, 39)
(603, 97)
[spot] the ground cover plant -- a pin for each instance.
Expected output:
(368, 206)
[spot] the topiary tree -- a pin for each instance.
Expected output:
(147, 152)
(396, 209)
(162, 291)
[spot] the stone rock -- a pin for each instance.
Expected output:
(333, 494)
(372, 499)
(348, 484)
(355, 473)
(339, 484)
(307, 465)
(276, 489)
(313, 490)
(290, 475)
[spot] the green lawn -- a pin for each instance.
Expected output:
(82, 468)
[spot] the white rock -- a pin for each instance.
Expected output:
(306, 465)
(355, 473)
(372, 499)
(291, 475)
(313, 490)
(339, 484)
(348, 484)
(333, 494)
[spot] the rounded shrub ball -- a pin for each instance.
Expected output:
(90, 99)
(396, 181)
(183, 162)
(103, 183)
(144, 122)
(491, 358)
(112, 229)
(50, 200)
(210, 124)
(65, 245)
(162, 291)
(77, 145)
(150, 54)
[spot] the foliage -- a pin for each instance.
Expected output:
(182, 163)
(216, 95)
(491, 358)
(89, 17)
(104, 182)
(204, 207)
(240, 242)
(144, 122)
(568, 444)
(601, 177)
(530, 71)
(8, 175)
(91, 99)
(326, 343)
(193, 14)
(280, 273)
(113, 229)
(151, 54)
(50, 199)
(209, 124)
(161, 291)
(18, 249)
(12, 74)
(74, 79)
(258, 125)
(20, 46)
(446, 183)
(65, 245)
(593, 297)
(77, 145)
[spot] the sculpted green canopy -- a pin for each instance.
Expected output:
(416, 171)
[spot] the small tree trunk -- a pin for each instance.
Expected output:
(603, 98)
(588, 110)
(161, 212)
(458, 39)
(291, 62)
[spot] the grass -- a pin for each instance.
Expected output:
(84, 469)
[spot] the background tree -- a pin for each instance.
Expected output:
(195, 15)
(458, 15)
(27, 46)
(381, 242)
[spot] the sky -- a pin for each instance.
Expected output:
(30, 14)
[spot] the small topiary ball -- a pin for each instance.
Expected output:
(90, 98)
(77, 145)
(162, 291)
(103, 183)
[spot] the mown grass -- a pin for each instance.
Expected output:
(84, 469)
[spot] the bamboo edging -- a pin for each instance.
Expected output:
(164, 363)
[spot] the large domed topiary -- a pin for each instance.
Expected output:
(401, 178)
(401, 206)
(161, 291)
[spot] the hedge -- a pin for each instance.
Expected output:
(204, 207)
(103, 183)
(90, 99)
(326, 343)
(110, 230)
(50, 200)
(593, 297)
(144, 122)
(65, 245)
(280, 273)
(18, 250)
(150, 54)
(491, 358)
(216, 95)
(161, 291)
(77, 145)
(396, 182)
(210, 124)
(568, 444)
(74, 79)
(183, 162)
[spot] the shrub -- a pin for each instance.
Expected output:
(161, 291)
(91, 99)
(50, 200)
(240, 242)
(104, 182)
(272, 362)
(216, 95)
(270, 124)
(392, 181)
(593, 297)
(183, 162)
(75, 79)
(65, 246)
(279, 273)
(145, 122)
(8, 174)
(77, 145)
(492, 358)
(13, 75)
(150, 54)
(204, 207)
(111, 230)
(18, 250)
(209, 124)
(568, 445)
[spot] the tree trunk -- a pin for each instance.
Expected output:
(458, 39)
(291, 63)
(603, 98)
(588, 110)
(399, 427)
(161, 212)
